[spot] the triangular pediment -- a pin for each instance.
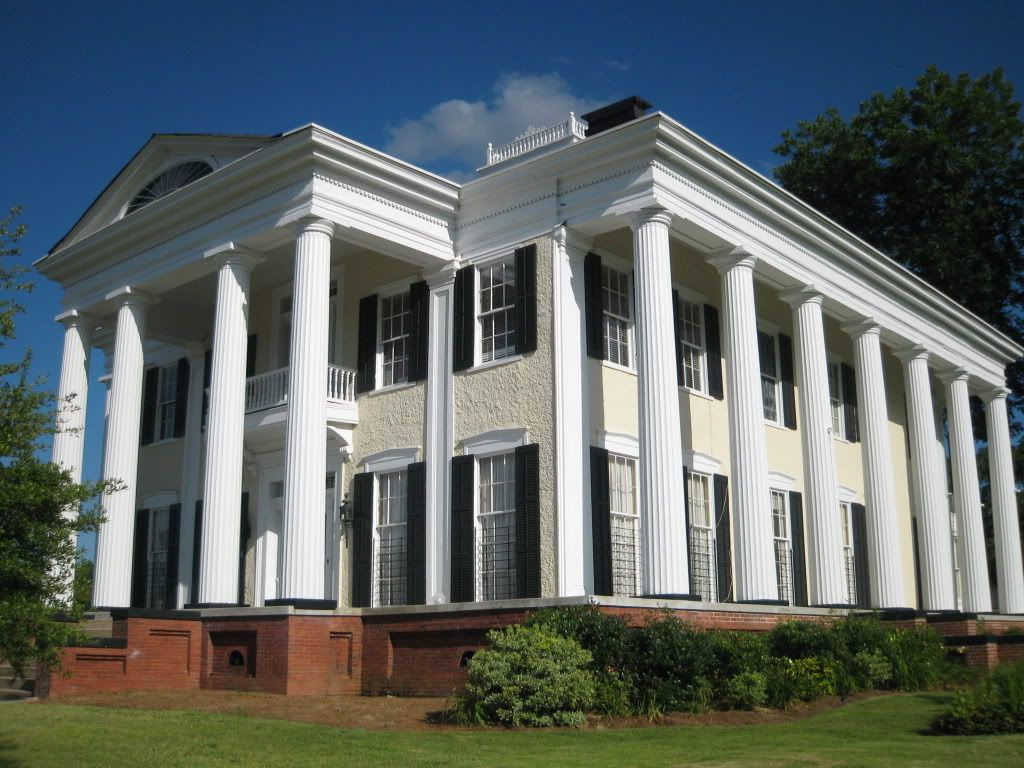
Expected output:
(163, 152)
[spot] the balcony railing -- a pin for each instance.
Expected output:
(270, 389)
(568, 131)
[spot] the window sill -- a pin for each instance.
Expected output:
(494, 363)
(697, 393)
(164, 441)
(617, 367)
(392, 388)
(780, 427)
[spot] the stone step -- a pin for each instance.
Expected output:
(15, 694)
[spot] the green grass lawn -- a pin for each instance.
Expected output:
(876, 732)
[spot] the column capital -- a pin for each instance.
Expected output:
(995, 393)
(797, 296)
(863, 326)
(126, 295)
(314, 224)
(652, 215)
(234, 255)
(910, 352)
(72, 318)
(949, 375)
(574, 244)
(442, 276)
(730, 257)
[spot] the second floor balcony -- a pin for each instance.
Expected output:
(268, 392)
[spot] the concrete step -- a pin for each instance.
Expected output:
(15, 694)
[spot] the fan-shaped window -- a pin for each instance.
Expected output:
(173, 178)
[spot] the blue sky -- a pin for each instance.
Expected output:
(86, 84)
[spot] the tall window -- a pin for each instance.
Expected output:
(394, 338)
(497, 310)
(167, 395)
(849, 562)
(836, 399)
(391, 539)
(691, 340)
(496, 527)
(156, 560)
(767, 347)
(616, 315)
(702, 537)
(783, 553)
(953, 542)
(625, 525)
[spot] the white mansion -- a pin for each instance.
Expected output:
(616, 362)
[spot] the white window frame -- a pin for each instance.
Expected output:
(787, 518)
(837, 410)
(846, 541)
(478, 543)
(171, 370)
(388, 292)
(709, 479)
(335, 306)
(375, 590)
(687, 296)
(478, 352)
(620, 265)
(773, 332)
(633, 464)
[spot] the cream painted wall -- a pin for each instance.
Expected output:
(159, 468)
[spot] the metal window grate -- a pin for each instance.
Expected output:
(625, 555)
(391, 566)
(702, 563)
(497, 553)
(851, 577)
(783, 571)
(156, 581)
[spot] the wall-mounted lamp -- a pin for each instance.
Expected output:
(345, 511)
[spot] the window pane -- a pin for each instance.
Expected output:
(497, 310)
(702, 538)
(615, 303)
(783, 553)
(496, 575)
(394, 315)
(625, 526)
(390, 555)
(692, 342)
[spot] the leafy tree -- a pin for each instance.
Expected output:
(934, 177)
(37, 537)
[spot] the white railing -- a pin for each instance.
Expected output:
(571, 130)
(270, 389)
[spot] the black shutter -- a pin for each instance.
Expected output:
(362, 538)
(140, 558)
(723, 542)
(181, 397)
(197, 543)
(149, 394)
(464, 317)
(463, 532)
(677, 338)
(366, 352)
(686, 524)
(601, 525)
(796, 531)
(917, 564)
(526, 299)
(592, 296)
(713, 347)
(528, 520)
(786, 374)
(173, 541)
(250, 356)
(849, 378)
(860, 555)
(419, 330)
(244, 531)
(416, 535)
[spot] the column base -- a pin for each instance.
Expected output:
(304, 603)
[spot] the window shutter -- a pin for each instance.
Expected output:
(528, 520)
(796, 533)
(140, 558)
(592, 297)
(250, 356)
(173, 541)
(917, 562)
(713, 348)
(419, 330)
(181, 398)
(677, 337)
(244, 531)
(366, 353)
(861, 566)
(149, 395)
(526, 299)
(686, 523)
(463, 530)
(723, 541)
(464, 325)
(362, 538)
(416, 535)
(197, 543)
(849, 378)
(600, 508)
(786, 375)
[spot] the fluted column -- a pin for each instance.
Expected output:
(663, 523)
(115, 538)
(927, 486)
(754, 557)
(306, 435)
(977, 598)
(1006, 527)
(826, 568)
(885, 558)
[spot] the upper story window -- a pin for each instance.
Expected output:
(497, 313)
(842, 393)
(768, 352)
(616, 316)
(394, 338)
(172, 179)
(167, 398)
(692, 345)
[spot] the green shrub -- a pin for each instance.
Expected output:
(528, 676)
(738, 652)
(669, 665)
(802, 640)
(604, 635)
(918, 659)
(747, 690)
(804, 679)
(871, 670)
(994, 705)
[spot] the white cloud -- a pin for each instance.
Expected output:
(457, 131)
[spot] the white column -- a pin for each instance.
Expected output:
(827, 583)
(662, 520)
(306, 430)
(1009, 571)
(753, 554)
(190, 474)
(885, 558)
(927, 487)
(438, 442)
(115, 538)
(225, 429)
(977, 597)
